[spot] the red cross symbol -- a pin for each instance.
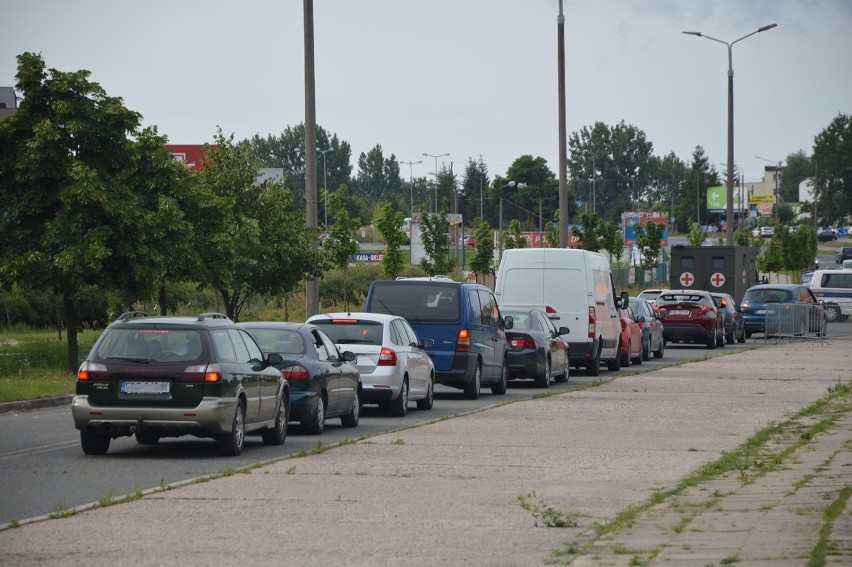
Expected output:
(686, 279)
(717, 279)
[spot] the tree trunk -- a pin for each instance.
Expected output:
(71, 326)
(162, 299)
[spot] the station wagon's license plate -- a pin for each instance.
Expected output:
(129, 387)
(760, 311)
(681, 312)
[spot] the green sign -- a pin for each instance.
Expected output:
(717, 199)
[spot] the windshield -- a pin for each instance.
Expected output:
(351, 331)
(674, 298)
(427, 302)
(150, 345)
(521, 320)
(768, 296)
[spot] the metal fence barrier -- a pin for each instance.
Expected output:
(785, 320)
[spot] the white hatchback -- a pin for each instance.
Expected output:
(391, 358)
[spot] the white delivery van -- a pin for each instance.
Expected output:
(833, 288)
(575, 289)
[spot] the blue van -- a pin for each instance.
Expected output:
(462, 319)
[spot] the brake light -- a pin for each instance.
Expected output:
(704, 310)
(295, 372)
(92, 372)
(519, 343)
(387, 357)
(463, 341)
(548, 309)
(593, 320)
(210, 373)
(344, 321)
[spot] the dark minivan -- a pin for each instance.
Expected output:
(463, 321)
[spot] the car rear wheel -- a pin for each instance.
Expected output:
(832, 313)
(94, 443)
(615, 364)
(742, 337)
(562, 377)
(316, 424)
(471, 389)
(646, 349)
(500, 387)
(713, 341)
(427, 402)
(659, 352)
(626, 360)
(277, 434)
(543, 380)
(351, 419)
(593, 367)
(399, 406)
(231, 444)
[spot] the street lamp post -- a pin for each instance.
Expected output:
(324, 187)
(410, 165)
(777, 200)
(436, 175)
(594, 178)
(729, 232)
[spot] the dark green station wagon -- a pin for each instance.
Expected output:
(155, 377)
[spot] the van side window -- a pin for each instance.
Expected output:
(687, 262)
(489, 307)
(718, 262)
(474, 307)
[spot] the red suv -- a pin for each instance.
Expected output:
(691, 316)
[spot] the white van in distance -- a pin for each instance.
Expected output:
(575, 288)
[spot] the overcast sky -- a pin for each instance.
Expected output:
(466, 77)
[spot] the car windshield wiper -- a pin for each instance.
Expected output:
(138, 359)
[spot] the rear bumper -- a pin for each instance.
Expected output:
(212, 415)
(673, 332)
(464, 366)
(303, 404)
(523, 363)
(381, 385)
(582, 353)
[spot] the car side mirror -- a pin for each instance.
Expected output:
(347, 356)
(640, 318)
(563, 330)
(427, 343)
(274, 359)
(508, 322)
(625, 299)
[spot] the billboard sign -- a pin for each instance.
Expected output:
(633, 219)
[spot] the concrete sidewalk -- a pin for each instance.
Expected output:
(480, 489)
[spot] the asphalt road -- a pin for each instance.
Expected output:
(42, 467)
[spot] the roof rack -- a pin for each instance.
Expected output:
(132, 315)
(204, 316)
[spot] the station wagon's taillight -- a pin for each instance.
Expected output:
(387, 357)
(209, 373)
(92, 372)
(463, 341)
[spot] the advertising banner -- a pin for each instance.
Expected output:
(632, 219)
(717, 199)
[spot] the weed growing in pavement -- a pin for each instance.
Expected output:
(163, 485)
(291, 470)
(681, 525)
(111, 500)
(730, 559)
(14, 523)
(62, 511)
(830, 514)
(398, 441)
(549, 517)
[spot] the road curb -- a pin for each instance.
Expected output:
(35, 404)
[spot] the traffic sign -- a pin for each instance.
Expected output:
(686, 279)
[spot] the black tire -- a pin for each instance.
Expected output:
(593, 367)
(626, 361)
(713, 341)
(352, 418)
(427, 402)
(638, 360)
(471, 389)
(147, 437)
(543, 380)
(94, 443)
(563, 377)
(399, 406)
(742, 337)
(646, 349)
(832, 313)
(661, 351)
(277, 434)
(747, 333)
(316, 424)
(730, 338)
(231, 444)
(500, 387)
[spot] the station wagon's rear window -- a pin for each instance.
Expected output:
(352, 331)
(151, 345)
(427, 302)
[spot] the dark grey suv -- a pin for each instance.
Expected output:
(156, 377)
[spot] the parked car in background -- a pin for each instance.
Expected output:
(733, 317)
(826, 235)
(394, 366)
(156, 377)
(537, 349)
(651, 326)
(782, 309)
(323, 384)
(630, 342)
(691, 316)
(843, 253)
(833, 289)
(462, 320)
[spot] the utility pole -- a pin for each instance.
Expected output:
(563, 142)
(312, 287)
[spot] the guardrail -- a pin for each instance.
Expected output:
(793, 321)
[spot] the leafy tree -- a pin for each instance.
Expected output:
(590, 231)
(540, 186)
(610, 240)
(551, 230)
(473, 190)
(389, 223)
(798, 168)
(702, 176)
(514, 238)
(483, 256)
(649, 239)
(433, 233)
(695, 236)
(250, 237)
(832, 151)
(78, 208)
(339, 247)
